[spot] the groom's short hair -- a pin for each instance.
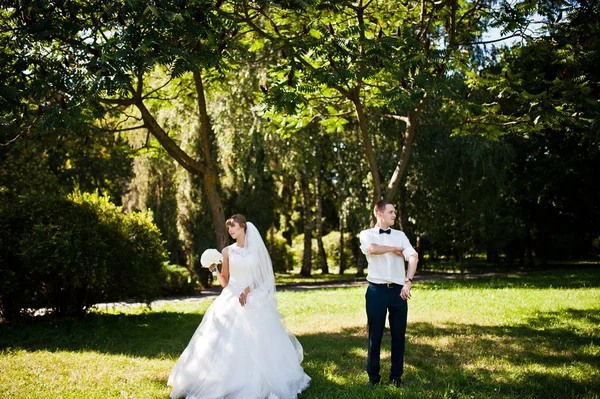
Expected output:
(380, 206)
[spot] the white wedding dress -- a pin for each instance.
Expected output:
(240, 352)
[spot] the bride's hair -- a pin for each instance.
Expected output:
(237, 218)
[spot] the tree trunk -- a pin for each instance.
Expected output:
(342, 253)
(360, 267)
(272, 240)
(460, 256)
(307, 216)
(210, 178)
(452, 38)
(368, 146)
(206, 169)
(319, 224)
(358, 255)
(419, 249)
(354, 96)
(287, 197)
(530, 260)
(409, 136)
(402, 213)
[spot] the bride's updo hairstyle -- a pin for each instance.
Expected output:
(237, 218)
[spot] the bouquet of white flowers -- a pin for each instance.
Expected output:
(211, 257)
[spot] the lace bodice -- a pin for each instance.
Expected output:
(240, 264)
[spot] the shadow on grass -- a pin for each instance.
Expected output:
(543, 358)
(151, 334)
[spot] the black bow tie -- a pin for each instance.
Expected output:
(388, 231)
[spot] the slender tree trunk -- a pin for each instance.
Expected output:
(210, 178)
(530, 260)
(319, 224)
(368, 146)
(402, 213)
(354, 96)
(419, 249)
(342, 253)
(358, 255)
(287, 195)
(452, 39)
(307, 258)
(409, 136)
(360, 266)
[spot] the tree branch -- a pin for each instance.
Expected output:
(182, 158)
(469, 12)
(11, 140)
(147, 95)
(127, 129)
(118, 101)
(493, 41)
(397, 117)
(475, 122)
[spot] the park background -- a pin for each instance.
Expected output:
(131, 130)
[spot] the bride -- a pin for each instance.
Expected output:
(241, 350)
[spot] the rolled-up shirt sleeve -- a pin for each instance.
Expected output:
(408, 249)
(365, 241)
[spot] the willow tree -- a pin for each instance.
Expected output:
(70, 62)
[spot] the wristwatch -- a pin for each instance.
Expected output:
(408, 280)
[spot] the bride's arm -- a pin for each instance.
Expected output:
(223, 275)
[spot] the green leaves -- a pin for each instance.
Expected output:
(64, 60)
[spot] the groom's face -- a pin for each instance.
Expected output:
(388, 215)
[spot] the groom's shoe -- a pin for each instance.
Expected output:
(396, 383)
(372, 384)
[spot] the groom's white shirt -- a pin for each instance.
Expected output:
(389, 267)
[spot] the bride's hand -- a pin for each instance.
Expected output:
(242, 298)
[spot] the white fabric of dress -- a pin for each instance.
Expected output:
(240, 352)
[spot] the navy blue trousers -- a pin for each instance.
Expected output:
(380, 301)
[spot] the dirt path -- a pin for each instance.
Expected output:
(211, 293)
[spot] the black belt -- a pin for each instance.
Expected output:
(387, 285)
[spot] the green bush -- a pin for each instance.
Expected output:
(68, 254)
(178, 281)
(281, 253)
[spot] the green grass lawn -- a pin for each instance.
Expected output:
(294, 277)
(531, 336)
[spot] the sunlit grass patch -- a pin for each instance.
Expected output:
(84, 374)
(293, 277)
(514, 337)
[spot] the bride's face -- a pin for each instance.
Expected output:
(236, 231)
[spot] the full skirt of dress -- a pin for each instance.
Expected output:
(240, 353)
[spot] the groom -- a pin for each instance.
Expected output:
(386, 250)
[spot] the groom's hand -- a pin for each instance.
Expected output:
(398, 251)
(405, 293)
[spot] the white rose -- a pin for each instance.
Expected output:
(210, 257)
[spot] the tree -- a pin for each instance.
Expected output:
(71, 62)
(455, 189)
(369, 59)
(546, 94)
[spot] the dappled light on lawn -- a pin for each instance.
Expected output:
(491, 338)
